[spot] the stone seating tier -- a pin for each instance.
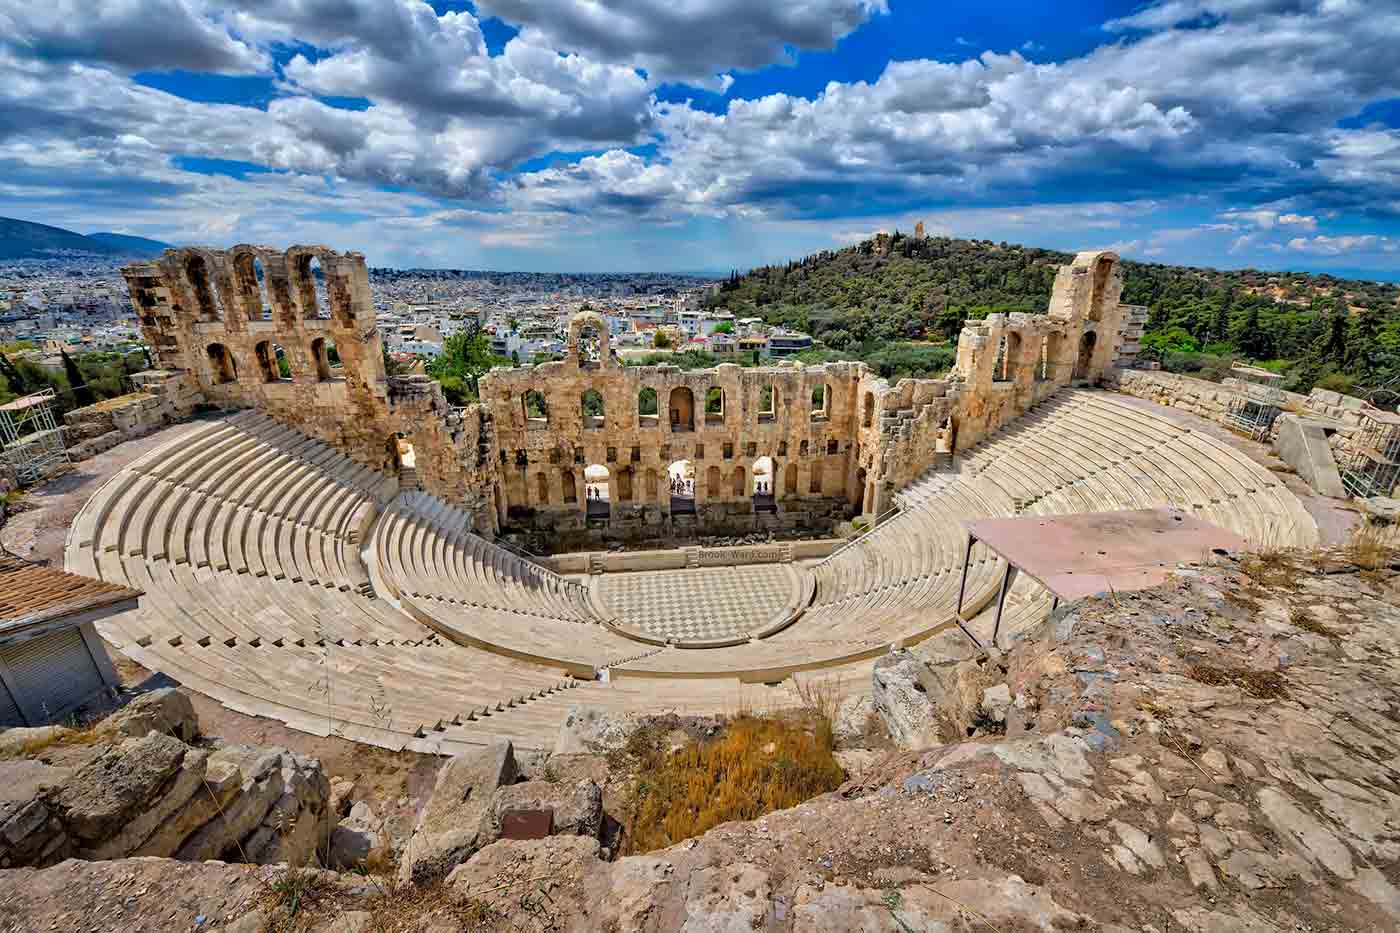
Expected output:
(255, 546)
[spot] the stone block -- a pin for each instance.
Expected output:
(451, 827)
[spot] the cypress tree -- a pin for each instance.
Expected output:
(82, 393)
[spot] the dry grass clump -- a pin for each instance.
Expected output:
(1300, 617)
(1371, 547)
(760, 764)
(1261, 685)
(1272, 568)
(300, 899)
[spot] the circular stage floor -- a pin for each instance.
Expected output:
(702, 607)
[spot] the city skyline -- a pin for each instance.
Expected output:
(570, 136)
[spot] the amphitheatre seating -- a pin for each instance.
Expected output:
(260, 550)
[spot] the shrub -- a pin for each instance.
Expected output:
(760, 764)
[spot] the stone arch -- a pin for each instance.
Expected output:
(765, 480)
(1102, 272)
(586, 320)
(251, 281)
(681, 405)
(597, 491)
(304, 265)
(814, 480)
(625, 477)
(821, 402)
(714, 405)
(790, 480)
(858, 495)
(535, 408)
(267, 361)
(1009, 354)
(200, 277)
(868, 419)
(221, 363)
(1085, 359)
(591, 408)
(326, 359)
(714, 483)
(680, 477)
(651, 486)
(738, 478)
(569, 485)
(541, 488)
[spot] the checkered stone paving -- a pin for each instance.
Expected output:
(700, 604)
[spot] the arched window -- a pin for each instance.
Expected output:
(591, 406)
(309, 287)
(737, 478)
(999, 364)
(535, 408)
(570, 486)
(541, 489)
(206, 297)
(714, 482)
(327, 360)
(767, 403)
(821, 402)
(1102, 270)
(252, 288)
(646, 407)
(682, 409)
(714, 405)
(267, 361)
(1086, 355)
(598, 498)
(869, 419)
(1049, 351)
(1013, 357)
(765, 476)
(681, 477)
(221, 362)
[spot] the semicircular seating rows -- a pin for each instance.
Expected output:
(256, 547)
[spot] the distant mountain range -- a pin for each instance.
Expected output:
(22, 239)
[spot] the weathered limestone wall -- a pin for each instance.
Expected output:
(223, 318)
(160, 398)
(840, 439)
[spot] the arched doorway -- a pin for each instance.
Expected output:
(597, 496)
(1086, 355)
(790, 480)
(569, 486)
(764, 477)
(682, 408)
(221, 362)
(680, 476)
(737, 478)
(858, 493)
(714, 483)
(869, 418)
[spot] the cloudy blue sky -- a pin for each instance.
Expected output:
(620, 135)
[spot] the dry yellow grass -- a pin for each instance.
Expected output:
(1371, 546)
(759, 764)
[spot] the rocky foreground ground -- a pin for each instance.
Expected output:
(1218, 754)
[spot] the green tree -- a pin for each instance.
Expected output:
(661, 340)
(466, 356)
(82, 393)
(723, 327)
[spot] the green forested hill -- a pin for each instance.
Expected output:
(894, 289)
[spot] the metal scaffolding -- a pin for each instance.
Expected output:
(1256, 403)
(1372, 468)
(33, 440)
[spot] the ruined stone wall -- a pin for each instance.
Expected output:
(840, 440)
(224, 317)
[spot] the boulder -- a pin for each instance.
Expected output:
(574, 809)
(18, 741)
(355, 837)
(113, 789)
(586, 729)
(901, 683)
(996, 701)
(452, 824)
(166, 710)
(565, 865)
